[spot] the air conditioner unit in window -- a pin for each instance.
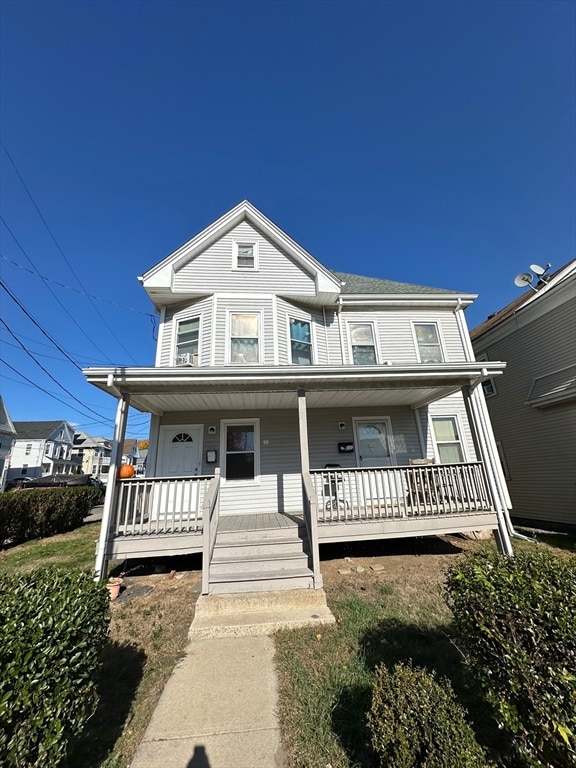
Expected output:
(186, 359)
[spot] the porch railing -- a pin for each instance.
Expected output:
(400, 492)
(159, 505)
(310, 504)
(210, 514)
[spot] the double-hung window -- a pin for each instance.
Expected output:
(244, 337)
(300, 342)
(187, 338)
(362, 343)
(428, 342)
(245, 256)
(448, 439)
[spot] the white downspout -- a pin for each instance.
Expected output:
(338, 312)
(100, 566)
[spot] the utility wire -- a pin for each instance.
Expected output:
(47, 372)
(50, 346)
(55, 397)
(69, 287)
(62, 252)
(76, 323)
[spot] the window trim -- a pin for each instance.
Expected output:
(461, 441)
(176, 323)
(482, 357)
(236, 244)
(289, 319)
(351, 346)
(224, 424)
(436, 323)
(260, 337)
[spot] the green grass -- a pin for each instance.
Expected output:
(68, 550)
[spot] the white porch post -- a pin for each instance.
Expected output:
(303, 431)
(487, 452)
(101, 565)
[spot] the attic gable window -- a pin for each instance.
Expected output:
(245, 256)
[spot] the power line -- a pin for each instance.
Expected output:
(47, 372)
(43, 344)
(62, 252)
(40, 354)
(69, 287)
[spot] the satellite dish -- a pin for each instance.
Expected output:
(537, 269)
(524, 278)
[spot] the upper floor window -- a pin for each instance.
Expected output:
(301, 342)
(48, 449)
(488, 385)
(245, 256)
(448, 440)
(362, 343)
(428, 341)
(28, 450)
(244, 337)
(187, 337)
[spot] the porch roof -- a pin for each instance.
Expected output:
(160, 390)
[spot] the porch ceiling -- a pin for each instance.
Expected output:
(161, 390)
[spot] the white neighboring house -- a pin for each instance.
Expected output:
(42, 448)
(292, 406)
(533, 407)
(93, 453)
(7, 437)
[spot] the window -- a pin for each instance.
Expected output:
(488, 386)
(245, 256)
(448, 442)
(28, 450)
(362, 342)
(428, 342)
(240, 451)
(244, 338)
(187, 336)
(301, 342)
(48, 449)
(24, 469)
(94, 469)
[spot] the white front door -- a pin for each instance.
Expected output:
(374, 445)
(179, 455)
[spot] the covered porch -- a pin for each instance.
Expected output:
(327, 502)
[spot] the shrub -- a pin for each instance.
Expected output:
(515, 622)
(53, 625)
(416, 722)
(32, 514)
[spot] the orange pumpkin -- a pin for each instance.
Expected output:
(126, 471)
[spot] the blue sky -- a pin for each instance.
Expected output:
(427, 142)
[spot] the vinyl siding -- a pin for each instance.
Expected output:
(286, 311)
(453, 405)
(167, 338)
(539, 443)
(211, 270)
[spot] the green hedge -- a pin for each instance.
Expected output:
(33, 514)
(53, 625)
(415, 720)
(515, 622)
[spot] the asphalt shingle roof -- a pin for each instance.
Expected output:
(35, 430)
(358, 284)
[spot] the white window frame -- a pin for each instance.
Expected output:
(487, 383)
(256, 253)
(224, 424)
(414, 323)
(176, 323)
(350, 345)
(312, 340)
(231, 312)
(461, 435)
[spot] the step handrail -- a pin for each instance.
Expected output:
(310, 503)
(210, 517)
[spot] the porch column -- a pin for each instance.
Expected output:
(486, 449)
(303, 431)
(101, 565)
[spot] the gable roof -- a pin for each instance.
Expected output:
(37, 430)
(525, 299)
(358, 284)
(6, 425)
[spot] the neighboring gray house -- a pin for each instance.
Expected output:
(93, 455)
(42, 448)
(292, 406)
(533, 406)
(7, 436)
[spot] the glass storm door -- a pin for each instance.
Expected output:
(374, 444)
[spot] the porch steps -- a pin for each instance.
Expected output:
(266, 559)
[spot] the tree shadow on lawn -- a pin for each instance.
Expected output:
(391, 642)
(120, 675)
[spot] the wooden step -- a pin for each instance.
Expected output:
(254, 565)
(266, 581)
(250, 548)
(266, 534)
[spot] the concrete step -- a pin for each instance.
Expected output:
(256, 564)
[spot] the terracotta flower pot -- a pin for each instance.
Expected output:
(114, 585)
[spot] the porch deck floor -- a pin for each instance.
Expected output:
(264, 521)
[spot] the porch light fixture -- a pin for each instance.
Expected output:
(341, 425)
(211, 430)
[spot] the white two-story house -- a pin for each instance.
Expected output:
(293, 405)
(41, 448)
(93, 455)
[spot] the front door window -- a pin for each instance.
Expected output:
(240, 452)
(374, 444)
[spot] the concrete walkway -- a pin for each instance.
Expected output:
(218, 709)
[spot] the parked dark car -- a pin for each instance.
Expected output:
(55, 481)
